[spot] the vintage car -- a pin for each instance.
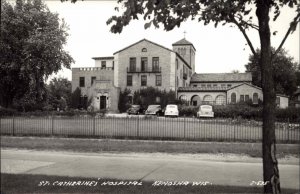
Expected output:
(171, 110)
(135, 110)
(154, 110)
(205, 111)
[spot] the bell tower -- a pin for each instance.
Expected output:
(186, 50)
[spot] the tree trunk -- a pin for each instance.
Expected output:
(270, 164)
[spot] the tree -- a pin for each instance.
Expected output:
(31, 49)
(238, 12)
(59, 93)
(76, 99)
(284, 69)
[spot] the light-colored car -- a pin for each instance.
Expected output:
(205, 111)
(172, 110)
(153, 110)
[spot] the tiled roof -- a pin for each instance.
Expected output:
(221, 77)
(202, 89)
(102, 58)
(251, 85)
(183, 42)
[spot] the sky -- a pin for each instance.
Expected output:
(218, 50)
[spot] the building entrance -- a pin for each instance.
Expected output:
(102, 102)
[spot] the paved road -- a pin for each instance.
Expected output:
(218, 170)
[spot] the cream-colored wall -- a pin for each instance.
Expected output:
(244, 90)
(122, 63)
(109, 63)
(284, 102)
(88, 73)
(189, 95)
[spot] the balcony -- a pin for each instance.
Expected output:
(146, 70)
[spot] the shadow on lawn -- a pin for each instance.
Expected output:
(24, 183)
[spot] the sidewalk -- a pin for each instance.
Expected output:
(231, 170)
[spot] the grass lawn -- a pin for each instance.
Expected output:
(25, 183)
(149, 146)
(151, 128)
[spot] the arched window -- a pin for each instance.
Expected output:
(144, 50)
(233, 98)
(220, 100)
(255, 98)
(183, 97)
(207, 99)
(195, 100)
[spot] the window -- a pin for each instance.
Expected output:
(223, 85)
(255, 98)
(242, 98)
(203, 85)
(220, 100)
(183, 98)
(194, 86)
(132, 64)
(158, 80)
(143, 80)
(103, 64)
(129, 80)
(93, 80)
(155, 64)
(228, 85)
(215, 85)
(233, 98)
(113, 65)
(209, 85)
(177, 63)
(81, 82)
(208, 99)
(246, 98)
(144, 63)
(144, 50)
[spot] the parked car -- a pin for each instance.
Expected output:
(154, 110)
(135, 110)
(172, 110)
(205, 111)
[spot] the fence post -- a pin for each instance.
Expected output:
(13, 125)
(234, 132)
(94, 127)
(138, 127)
(288, 130)
(184, 127)
(52, 126)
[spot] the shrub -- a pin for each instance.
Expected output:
(124, 100)
(75, 98)
(188, 111)
(291, 113)
(7, 112)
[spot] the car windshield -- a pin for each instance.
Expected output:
(172, 107)
(206, 108)
(153, 107)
